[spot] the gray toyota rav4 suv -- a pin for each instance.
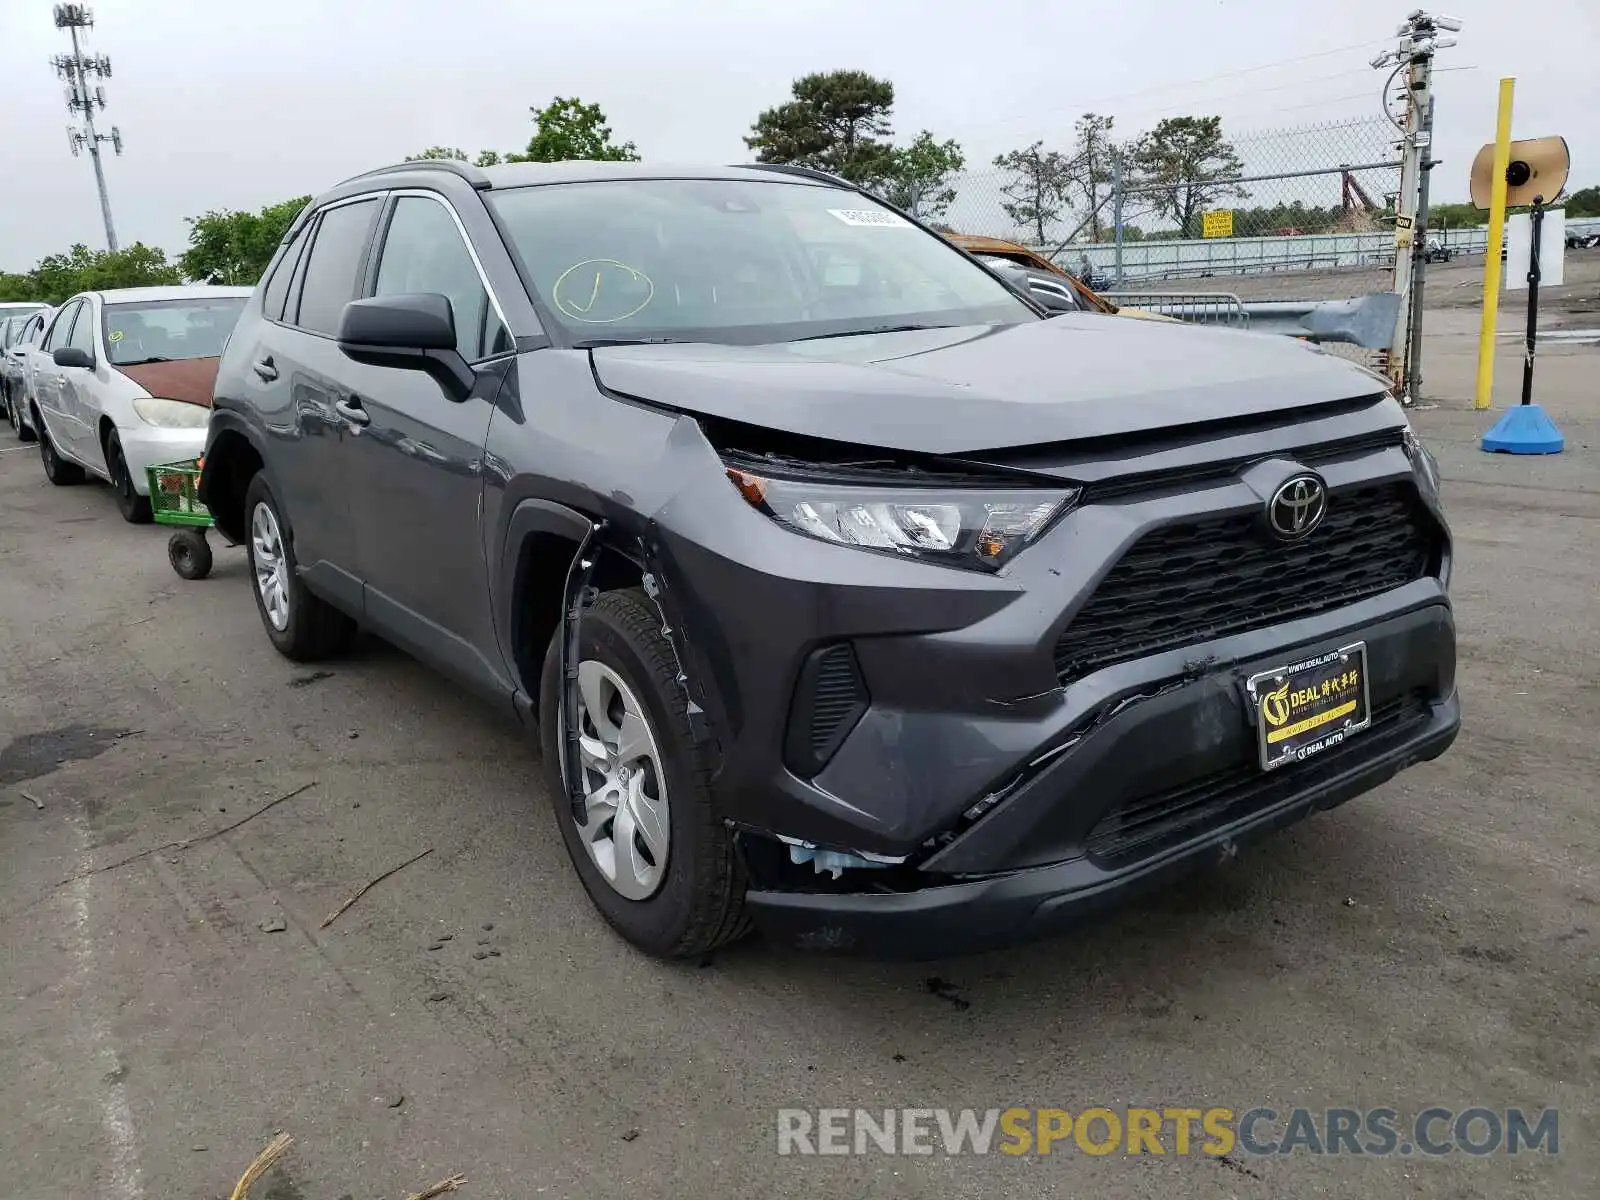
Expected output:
(851, 595)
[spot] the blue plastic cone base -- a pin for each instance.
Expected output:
(1525, 429)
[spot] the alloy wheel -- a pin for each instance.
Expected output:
(627, 821)
(272, 571)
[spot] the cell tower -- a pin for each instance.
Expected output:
(79, 72)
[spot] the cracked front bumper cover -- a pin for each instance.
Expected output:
(979, 913)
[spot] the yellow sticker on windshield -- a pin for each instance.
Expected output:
(116, 335)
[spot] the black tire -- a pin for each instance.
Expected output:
(23, 434)
(135, 509)
(700, 904)
(189, 553)
(56, 469)
(314, 628)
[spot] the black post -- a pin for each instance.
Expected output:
(1537, 219)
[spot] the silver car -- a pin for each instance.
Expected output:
(122, 382)
(19, 334)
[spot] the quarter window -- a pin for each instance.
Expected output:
(277, 292)
(423, 252)
(61, 327)
(83, 331)
(330, 272)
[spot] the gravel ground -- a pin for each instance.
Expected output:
(170, 1000)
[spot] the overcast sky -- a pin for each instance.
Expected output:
(235, 104)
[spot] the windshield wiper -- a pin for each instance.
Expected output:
(817, 337)
(596, 343)
(139, 362)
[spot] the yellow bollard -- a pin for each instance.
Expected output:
(1492, 264)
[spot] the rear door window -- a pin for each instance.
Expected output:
(331, 269)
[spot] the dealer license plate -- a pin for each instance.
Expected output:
(1307, 707)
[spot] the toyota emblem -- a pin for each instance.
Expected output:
(1297, 507)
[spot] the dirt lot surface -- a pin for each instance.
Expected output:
(168, 999)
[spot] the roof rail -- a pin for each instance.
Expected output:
(472, 175)
(803, 172)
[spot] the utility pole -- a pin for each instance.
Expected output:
(1419, 40)
(1419, 261)
(83, 97)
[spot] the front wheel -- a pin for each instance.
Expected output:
(651, 849)
(135, 509)
(302, 626)
(56, 469)
(24, 432)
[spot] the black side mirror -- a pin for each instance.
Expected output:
(71, 356)
(419, 321)
(415, 331)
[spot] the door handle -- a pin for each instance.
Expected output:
(352, 411)
(265, 369)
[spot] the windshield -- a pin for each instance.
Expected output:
(164, 330)
(738, 261)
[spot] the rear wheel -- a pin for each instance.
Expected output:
(302, 626)
(135, 509)
(56, 469)
(651, 849)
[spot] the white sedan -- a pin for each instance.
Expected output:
(123, 381)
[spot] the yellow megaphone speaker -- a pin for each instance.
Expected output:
(1538, 167)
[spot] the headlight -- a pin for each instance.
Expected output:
(171, 414)
(980, 529)
(1423, 464)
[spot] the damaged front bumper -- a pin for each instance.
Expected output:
(1165, 783)
(968, 914)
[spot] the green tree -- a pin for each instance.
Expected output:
(235, 247)
(1037, 193)
(80, 269)
(16, 287)
(1190, 163)
(838, 121)
(484, 158)
(1093, 157)
(434, 153)
(567, 128)
(921, 176)
(1583, 203)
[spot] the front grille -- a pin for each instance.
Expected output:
(1141, 827)
(1189, 583)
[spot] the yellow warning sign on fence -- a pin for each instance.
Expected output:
(1217, 223)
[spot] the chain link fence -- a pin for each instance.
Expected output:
(1312, 196)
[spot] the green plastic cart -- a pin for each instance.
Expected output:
(175, 500)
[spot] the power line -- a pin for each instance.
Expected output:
(1096, 105)
(1256, 91)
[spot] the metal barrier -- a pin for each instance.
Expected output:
(1195, 308)
(1364, 321)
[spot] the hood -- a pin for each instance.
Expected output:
(948, 391)
(190, 379)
